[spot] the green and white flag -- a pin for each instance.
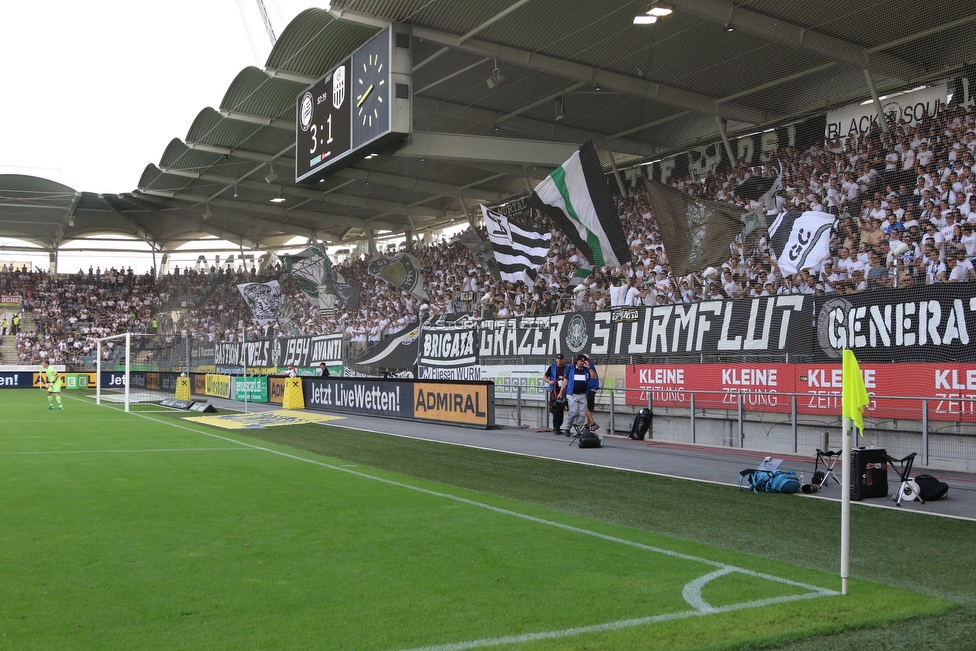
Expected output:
(576, 198)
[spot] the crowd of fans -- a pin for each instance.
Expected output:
(904, 201)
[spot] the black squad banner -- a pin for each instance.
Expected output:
(934, 323)
(758, 326)
(755, 149)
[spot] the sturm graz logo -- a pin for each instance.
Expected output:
(276, 352)
(576, 336)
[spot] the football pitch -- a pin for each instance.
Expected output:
(146, 531)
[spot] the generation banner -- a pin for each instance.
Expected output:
(950, 388)
(931, 323)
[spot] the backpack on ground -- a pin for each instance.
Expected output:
(642, 423)
(930, 488)
(770, 481)
(588, 439)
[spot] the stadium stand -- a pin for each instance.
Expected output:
(930, 206)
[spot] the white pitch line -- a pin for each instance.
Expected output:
(607, 626)
(700, 607)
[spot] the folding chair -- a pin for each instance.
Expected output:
(828, 460)
(578, 429)
(908, 489)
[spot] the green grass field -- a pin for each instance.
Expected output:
(143, 531)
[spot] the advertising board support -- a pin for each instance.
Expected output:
(925, 432)
(793, 425)
(741, 418)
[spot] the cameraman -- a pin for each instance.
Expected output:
(555, 377)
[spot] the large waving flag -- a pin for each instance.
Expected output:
(402, 270)
(763, 189)
(263, 299)
(312, 271)
(696, 233)
(854, 397)
(801, 240)
(519, 251)
(576, 198)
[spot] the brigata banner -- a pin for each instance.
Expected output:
(767, 388)
(929, 323)
(755, 326)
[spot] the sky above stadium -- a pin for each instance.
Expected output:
(94, 91)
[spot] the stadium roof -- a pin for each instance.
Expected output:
(638, 91)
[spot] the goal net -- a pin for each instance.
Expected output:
(139, 371)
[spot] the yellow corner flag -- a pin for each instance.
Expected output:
(854, 397)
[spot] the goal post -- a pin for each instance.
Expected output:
(100, 354)
(139, 370)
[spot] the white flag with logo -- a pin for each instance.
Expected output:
(801, 240)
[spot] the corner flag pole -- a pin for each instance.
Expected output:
(854, 397)
(845, 507)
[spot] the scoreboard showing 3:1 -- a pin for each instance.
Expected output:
(324, 114)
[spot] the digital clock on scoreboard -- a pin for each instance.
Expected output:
(359, 106)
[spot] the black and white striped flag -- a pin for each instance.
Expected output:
(519, 251)
(801, 240)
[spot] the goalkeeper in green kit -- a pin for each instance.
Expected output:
(49, 376)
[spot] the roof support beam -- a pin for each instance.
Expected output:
(796, 36)
(312, 220)
(392, 180)
(189, 221)
(534, 128)
(494, 150)
(634, 86)
(136, 228)
(307, 193)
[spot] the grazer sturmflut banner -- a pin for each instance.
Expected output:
(927, 324)
(756, 326)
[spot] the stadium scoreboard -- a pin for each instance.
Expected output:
(358, 108)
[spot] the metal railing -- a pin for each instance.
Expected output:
(941, 429)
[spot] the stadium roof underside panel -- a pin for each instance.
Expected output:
(563, 73)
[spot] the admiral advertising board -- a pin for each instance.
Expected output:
(465, 403)
(199, 386)
(950, 388)
(276, 390)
